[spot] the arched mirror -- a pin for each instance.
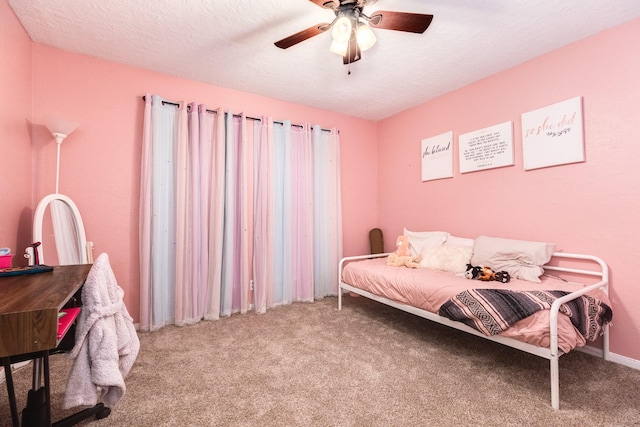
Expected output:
(57, 223)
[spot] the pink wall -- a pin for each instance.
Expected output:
(590, 207)
(15, 143)
(100, 164)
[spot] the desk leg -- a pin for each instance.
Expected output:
(11, 391)
(47, 388)
(38, 409)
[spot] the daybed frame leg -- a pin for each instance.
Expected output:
(339, 298)
(605, 344)
(555, 383)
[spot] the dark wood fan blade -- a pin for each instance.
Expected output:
(401, 21)
(327, 4)
(301, 36)
(353, 52)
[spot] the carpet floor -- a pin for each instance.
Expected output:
(366, 365)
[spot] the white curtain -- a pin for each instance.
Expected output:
(327, 211)
(158, 213)
(234, 216)
(293, 213)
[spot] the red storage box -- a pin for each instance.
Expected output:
(5, 261)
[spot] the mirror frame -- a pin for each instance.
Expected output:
(80, 233)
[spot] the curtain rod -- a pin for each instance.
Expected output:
(235, 115)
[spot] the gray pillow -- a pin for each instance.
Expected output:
(520, 258)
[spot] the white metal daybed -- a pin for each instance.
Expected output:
(373, 287)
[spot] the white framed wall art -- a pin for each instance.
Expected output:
(437, 157)
(487, 148)
(553, 135)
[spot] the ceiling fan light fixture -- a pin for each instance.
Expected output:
(339, 48)
(352, 29)
(341, 31)
(365, 37)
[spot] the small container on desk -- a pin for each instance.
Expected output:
(5, 260)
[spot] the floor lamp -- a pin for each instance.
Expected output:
(60, 129)
(70, 238)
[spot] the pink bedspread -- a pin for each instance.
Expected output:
(429, 289)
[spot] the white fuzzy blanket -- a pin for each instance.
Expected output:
(106, 341)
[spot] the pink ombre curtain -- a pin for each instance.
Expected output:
(215, 197)
(301, 215)
(297, 214)
(234, 216)
(176, 215)
(236, 280)
(262, 214)
(195, 157)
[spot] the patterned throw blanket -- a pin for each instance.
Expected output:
(492, 311)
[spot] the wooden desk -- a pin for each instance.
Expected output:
(29, 306)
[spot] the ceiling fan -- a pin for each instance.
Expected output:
(350, 32)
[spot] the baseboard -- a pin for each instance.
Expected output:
(613, 357)
(593, 351)
(15, 367)
(624, 360)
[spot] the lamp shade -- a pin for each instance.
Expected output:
(60, 126)
(341, 31)
(339, 48)
(365, 37)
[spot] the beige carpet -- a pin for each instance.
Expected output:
(367, 365)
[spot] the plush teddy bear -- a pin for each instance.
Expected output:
(403, 247)
(402, 256)
(486, 274)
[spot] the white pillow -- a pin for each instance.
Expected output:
(459, 241)
(424, 239)
(521, 259)
(446, 258)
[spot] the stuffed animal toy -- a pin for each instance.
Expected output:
(403, 246)
(402, 261)
(502, 277)
(486, 274)
(472, 271)
(402, 256)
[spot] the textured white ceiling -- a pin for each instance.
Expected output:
(230, 44)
